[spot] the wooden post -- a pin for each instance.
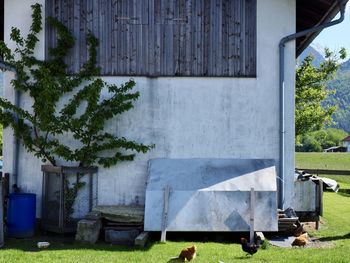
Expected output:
(321, 198)
(252, 207)
(317, 225)
(319, 202)
(165, 213)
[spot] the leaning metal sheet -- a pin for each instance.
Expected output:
(211, 194)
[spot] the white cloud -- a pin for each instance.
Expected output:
(347, 7)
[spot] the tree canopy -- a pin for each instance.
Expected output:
(311, 91)
(317, 141)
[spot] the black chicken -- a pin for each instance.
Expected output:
(251, 248)
(299, 229)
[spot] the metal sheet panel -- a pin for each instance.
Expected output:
(211, 194)
(305, 196)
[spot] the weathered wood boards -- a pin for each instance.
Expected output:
(162, 37)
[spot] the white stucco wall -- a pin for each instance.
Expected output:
(346, 144)
(189, 117)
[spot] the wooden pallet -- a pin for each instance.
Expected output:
(286, 224)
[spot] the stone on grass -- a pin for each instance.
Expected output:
(141, 239)
(88, 231)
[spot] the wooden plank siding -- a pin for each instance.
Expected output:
(215, 38)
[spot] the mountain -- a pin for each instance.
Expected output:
(318, 47)
(341, 98)
(313, 51)
(345, 67)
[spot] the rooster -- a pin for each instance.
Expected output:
(251, 248)
(299, 229)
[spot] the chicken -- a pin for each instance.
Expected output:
(299, 229)
(186, 254)
(301, 240)
(251, 248)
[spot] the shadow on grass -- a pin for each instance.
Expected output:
(344, 192)
(30, 245)
(59, 242)
(174, 260)
(333, 238)
(243, 257)
(219, 237)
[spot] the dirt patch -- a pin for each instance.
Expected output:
(311, 226)
(316, 243)
(286, 242)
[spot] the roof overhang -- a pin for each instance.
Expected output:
(313, 13)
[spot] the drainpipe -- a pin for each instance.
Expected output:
(8, 67)
(282, 43)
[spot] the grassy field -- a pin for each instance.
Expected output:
(332, 161)
(335, 228)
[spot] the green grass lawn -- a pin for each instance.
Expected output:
(332, 161)
(335, 228)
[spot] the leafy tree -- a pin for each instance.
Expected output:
(318, 140)
(308, 143)
(42, 129)
(336, 135)
(311, 91)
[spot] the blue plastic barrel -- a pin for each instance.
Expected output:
(21, 215)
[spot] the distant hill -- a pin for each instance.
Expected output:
(345, 67)
(310, 50)
(341, 84)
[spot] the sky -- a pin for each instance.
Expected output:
(337, 36)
